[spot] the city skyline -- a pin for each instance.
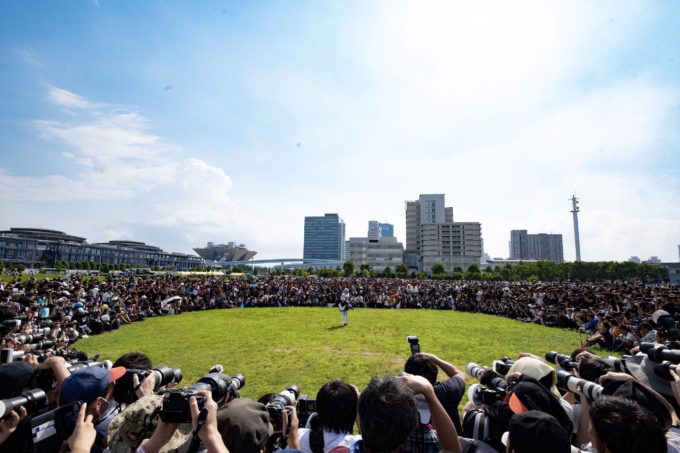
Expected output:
(176, 124)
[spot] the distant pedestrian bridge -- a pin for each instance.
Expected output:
(282, 263)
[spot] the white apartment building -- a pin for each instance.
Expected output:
(385, 252)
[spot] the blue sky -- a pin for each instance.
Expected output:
(177, 123)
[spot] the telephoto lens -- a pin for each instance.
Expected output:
(564, 361)
(570, 382)
(32, 400)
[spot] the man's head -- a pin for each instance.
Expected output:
(620, 425)
(536, 432)
(421, 365)
(92, 385)
(136, 360)
(387, 414)
(336, 404)
(591, 369)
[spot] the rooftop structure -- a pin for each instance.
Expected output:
(225, 252)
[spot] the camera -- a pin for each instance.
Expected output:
(277, 406)
(502, 365)
(32, 400)
(564, 361)
(414, 342)
(666, 325)
(8, 355)
(492, 386)
(570, 382)
(306, 406)
(663, 370)
(660, 353)
(175, 407)
(124, 390)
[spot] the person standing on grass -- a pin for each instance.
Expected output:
(345, 306)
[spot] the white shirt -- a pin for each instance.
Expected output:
(331, 440)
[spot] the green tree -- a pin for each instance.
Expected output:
(348, 268)
(438, 269)
(401, 270)
(387, 273)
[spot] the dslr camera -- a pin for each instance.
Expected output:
(277, 407)
(175, 407)
(124, 390)
(491, 388)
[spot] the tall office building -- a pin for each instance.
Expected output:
(541, 246)
(433, 237)
(374, 231)
(324, 238)
(386, 230)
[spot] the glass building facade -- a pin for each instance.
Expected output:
(324, 238)
(43, 248)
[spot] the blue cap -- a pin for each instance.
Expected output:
(87, 384)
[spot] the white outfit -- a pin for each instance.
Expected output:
(331, 440)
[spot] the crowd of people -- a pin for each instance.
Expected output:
(615, 315)
(530, 407)
(53, 399)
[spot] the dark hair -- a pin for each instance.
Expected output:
(336, 403)
(591, 369)
(136, 360)
(421, 365)
(626, 427)
(387, 414)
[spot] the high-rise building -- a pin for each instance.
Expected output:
(541, 246)
(374, 231)
(387, 230)
(324, 238)
(433, 236)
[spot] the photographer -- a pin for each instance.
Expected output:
(450, 391)
(336, 404)
(203, 425)
(388, 412)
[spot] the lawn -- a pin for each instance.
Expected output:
(276, 347)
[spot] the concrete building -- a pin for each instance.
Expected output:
(455, 244)
(39, 247)
(378, 255)
(374, 230)
(225, 252)
(541, 246)
(652, 260)
(673, 272)
(634, 259)
(433, 236)
(324, 238)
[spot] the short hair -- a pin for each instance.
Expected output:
(591, 369)
(626, 427)
(421, 365)
(336, 404)
(387, 414)
(134, 360)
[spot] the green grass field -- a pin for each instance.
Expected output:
(275, 347)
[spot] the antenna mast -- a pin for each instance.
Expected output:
(575, 210)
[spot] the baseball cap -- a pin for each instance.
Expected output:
(13, 377)
(129, 428)
(536, 369)
(536, 432)
(88, 383)
(529, 395)
(244, 425)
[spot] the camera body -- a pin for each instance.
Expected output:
(175, 407)
(277, 406)
(502, 365)
(415, 344)
(306, 406)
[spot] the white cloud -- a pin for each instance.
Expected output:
(133, 176)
